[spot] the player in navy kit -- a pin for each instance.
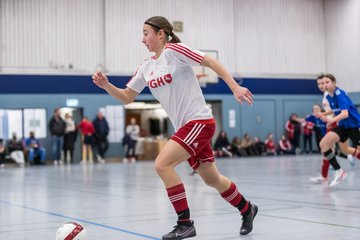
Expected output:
(348, 119)
(172, 82)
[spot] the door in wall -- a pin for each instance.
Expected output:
(259, 119)
(129, 115)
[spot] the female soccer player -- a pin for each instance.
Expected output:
(172, 82)
(344, 147)
(348, 119)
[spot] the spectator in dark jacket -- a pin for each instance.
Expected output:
(101, 132)
(57, 131)
(2, 153)
(222, 145)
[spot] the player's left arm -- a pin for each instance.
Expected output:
(240, 93)
(343, 114)
(344, 106)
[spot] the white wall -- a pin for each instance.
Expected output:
(343, 42)
(257, 37)
(208, 29)
(276, 37)
(42, 33)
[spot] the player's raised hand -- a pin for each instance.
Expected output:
(243, 94)
(100, 79)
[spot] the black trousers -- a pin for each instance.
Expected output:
(131, 149)
(102, 145)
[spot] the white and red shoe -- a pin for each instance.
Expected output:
(339, 176)
(318, 180)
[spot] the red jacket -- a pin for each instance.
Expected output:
(290, 128)
(270, 145)
(87, 128)
(285, 145)
(308, 128)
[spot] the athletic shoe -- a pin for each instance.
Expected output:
(247, 224)
(351, 160)
(181, 230)
(338, 177)
(318, 180)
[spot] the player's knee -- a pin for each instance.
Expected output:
(212, 181)
(324, 145)
(160, 167)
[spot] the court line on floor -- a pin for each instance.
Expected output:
(302, 202)
(80, 220)
(308, 221)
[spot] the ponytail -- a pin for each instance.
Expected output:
(174, 39)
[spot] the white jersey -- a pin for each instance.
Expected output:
(326, 105)
(173, 83)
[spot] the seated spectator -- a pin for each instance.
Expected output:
(270, 145)
(236, 148)
(259, 146)
(16, 150)
(222, 146)
(34, 149)
(2, 153)
(248, 145)
(285, 146)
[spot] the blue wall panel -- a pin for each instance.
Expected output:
(272, 99)
(259, 119)
(57, 84)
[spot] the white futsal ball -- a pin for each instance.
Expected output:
(71, 231)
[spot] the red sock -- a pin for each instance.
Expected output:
(356, 154)
(177, 197)
(233, 196)
(325, 168)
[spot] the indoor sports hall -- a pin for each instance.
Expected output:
(89, 150)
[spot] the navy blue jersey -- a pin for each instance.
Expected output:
(317, 123)
(341, 101)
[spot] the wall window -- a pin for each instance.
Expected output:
(11, 121)
(35, 121)
(115, 116)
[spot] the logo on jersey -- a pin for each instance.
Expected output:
(160, 81)
(195, 144)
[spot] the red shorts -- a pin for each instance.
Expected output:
(334, 125)
(195, 137)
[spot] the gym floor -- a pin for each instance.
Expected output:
(125, 201)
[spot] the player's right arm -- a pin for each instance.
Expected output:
(126, 95)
